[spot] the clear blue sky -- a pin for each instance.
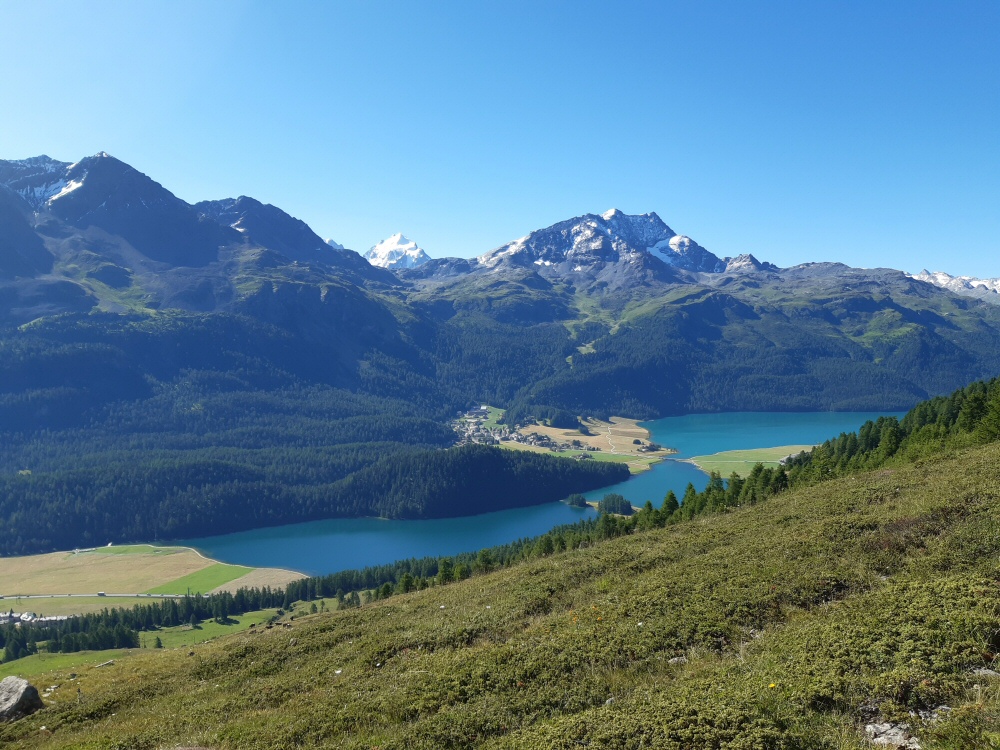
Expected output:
(863, 132)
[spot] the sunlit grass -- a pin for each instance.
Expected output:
(203, 581)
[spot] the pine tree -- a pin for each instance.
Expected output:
(670, 505)
(988, 428)
(446, 571)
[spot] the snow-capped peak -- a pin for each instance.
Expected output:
(334, 245)
(600, 239)
(967, 285)
(396, 252)
(35, 179)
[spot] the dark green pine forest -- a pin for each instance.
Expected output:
(151, 427)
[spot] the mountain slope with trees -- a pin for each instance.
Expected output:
(225, 344)
(793, 623)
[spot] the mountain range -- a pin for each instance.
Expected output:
(142, 331)
(171, 370)
(98, 236)
(72, 232)
(987, 290)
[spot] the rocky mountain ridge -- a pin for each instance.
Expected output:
(586, 243)
(987, 290)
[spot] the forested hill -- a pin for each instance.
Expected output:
(970, 416)
(469, 480)
(166, 497)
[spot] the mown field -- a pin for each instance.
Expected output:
(789, 624)
(613, 439)
(202, 581)
(743, 461)
(614, 436)
(126, 569)
(635, 464)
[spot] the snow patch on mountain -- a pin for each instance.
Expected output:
(67, 188)
(334, 245)
(35, 179)
(681, 250)
(596, 240)
(966, 285)
(396, 252)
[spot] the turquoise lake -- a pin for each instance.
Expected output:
(322, 547)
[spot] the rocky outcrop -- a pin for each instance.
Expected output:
(889, 734)
(18, 698)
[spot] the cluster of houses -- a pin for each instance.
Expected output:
(544, 441)
(27, 618)
(471, 428)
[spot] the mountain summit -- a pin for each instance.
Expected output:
(269, 227)
(598, 239)
(396, 252)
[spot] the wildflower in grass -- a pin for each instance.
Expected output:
(773, 685)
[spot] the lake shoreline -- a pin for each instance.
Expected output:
(322, 547)
(735, 460)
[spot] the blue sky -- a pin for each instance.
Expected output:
(867, 133)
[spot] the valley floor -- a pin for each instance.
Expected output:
(64, 583)
(618, 439)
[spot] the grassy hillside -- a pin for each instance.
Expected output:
(801, 619)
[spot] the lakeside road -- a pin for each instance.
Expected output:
(17, 597)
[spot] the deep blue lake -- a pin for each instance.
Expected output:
(321, 547)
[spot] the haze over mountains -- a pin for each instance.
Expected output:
(226, 347)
